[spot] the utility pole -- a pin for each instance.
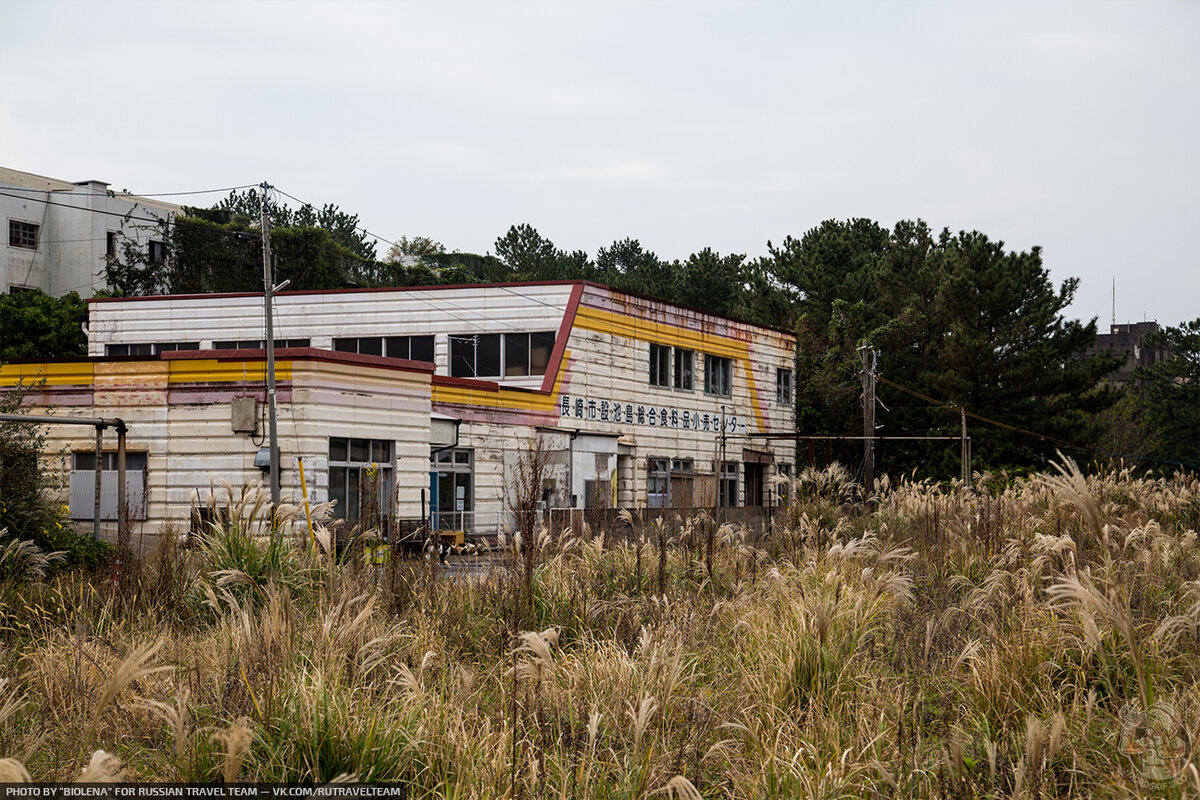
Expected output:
(268, 294)
(966, 452)
(868, 384)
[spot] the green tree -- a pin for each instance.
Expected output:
(1172, 393)
(625, 264)
(413, 249)
(35, 325)
(710, 281)
(243, 210)
(957, 318)
(528, 255)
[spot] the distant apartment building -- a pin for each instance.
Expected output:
(59, 232)
(1128, 338)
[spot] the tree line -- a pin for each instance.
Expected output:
(958, 320)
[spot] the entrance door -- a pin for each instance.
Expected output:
(754, 484)
(452, 491)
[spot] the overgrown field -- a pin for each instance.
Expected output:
(1000, 641)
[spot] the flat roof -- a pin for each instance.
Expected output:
(451, 286)
(43, 183)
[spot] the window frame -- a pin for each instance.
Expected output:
(678, 374)
(465, 348)
(351, 465)
(712, 386)
(783, 386)
(728, 481)
(20, 231)
(659, 373)
(136, 463)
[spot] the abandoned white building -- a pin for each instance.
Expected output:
(433, 392)
(59, 232)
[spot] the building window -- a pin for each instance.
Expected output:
(83, 485)
(685, 363)
(148, 349)
(22, 234)
(527, 353)
(257, 344)
(718, 372)
(783, 386)
(110, 244)
(360, 477)
(785, 483)
(660, 366)
(415, 348)
(475, 356)
(658, 483)
(366, 345)
(158, 252)
(727, 485)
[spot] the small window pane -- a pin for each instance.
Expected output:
(541, 345)
(487, 356)
(443, 457)
(516, 354)
(337, 489)
(345, 345)
(371, 345)
(117, 349)
(462, 457)
(397, 347)
(85, 462)
(359, 451)
(462, 357)
(421, 348)
(381, 452)
(338, 450)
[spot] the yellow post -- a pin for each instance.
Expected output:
(312, 540)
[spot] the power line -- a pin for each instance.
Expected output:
(124, 195)
(500, 286)
(130, 216)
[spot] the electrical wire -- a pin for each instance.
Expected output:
(124, 195)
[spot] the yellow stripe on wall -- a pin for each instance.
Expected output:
(614, 324)
(211, 370)
(504, 398)
(67, 373)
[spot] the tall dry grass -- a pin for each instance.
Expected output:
(951, 642)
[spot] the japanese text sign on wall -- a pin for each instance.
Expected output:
(623, 413)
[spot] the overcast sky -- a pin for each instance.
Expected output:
(1074, 126)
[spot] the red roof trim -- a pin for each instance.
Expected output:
(466, 383)
(283, 353)
(560, 341)
(305, 354)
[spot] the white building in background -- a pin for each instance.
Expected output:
(59, 232)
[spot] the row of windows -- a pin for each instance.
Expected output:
(416, 348)
(154, 349)
(492, 355)
(675, 367)
(25, 235)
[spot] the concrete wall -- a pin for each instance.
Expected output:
(72, 231)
